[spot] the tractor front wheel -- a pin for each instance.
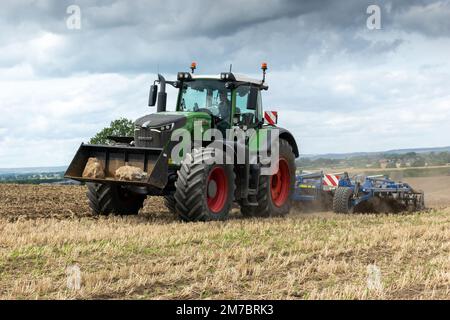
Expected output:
(204, 191)
(105, 199)
(169, 201)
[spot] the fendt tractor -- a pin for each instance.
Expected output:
(120, 175)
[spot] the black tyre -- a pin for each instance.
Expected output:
(113, 199)
(169, 201)
(419, 202)
(204, 191)
(342, 200)
(275, 192)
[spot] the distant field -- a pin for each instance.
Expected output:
(396, 173)
(45, 229)
(400, 173)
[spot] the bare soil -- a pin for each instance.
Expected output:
(437, 190)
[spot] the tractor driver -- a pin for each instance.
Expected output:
(224, 112)
(224, 106)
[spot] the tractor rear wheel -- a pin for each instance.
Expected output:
(204, 191)
(342, 200)
(275, 192)
(107, 199)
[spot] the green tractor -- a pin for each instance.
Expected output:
(194, 185)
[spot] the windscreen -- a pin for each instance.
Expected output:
(206, 96)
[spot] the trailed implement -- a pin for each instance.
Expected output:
(360, 193)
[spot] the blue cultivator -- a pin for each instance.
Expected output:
(317, 188)
(364, 194)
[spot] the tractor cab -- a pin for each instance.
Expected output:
(228, 99)
(231, 101)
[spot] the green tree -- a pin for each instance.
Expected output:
(376, 165)
(121, 127)
(410, 155)
(391, 165)
(418, 162)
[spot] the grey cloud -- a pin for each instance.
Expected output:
(431, 19)
(138, 36)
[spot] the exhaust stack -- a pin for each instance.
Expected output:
(162, 95)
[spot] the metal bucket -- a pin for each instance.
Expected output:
(152, 161)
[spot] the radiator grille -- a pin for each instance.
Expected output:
(148, 138)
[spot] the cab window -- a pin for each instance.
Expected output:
(209, 96)
(246, 104)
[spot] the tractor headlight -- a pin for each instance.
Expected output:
(227, 76)
(184, 76)
(166, 127)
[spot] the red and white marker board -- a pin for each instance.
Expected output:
(271, 117)
(331, 180)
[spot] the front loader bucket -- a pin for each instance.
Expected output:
(152, 161)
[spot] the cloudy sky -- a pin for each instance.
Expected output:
(338, 85)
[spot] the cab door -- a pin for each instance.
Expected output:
(248, 113)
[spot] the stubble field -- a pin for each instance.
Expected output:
(47, 230)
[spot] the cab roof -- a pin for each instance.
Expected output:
(239, 77)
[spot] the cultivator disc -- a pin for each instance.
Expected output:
(388, 196)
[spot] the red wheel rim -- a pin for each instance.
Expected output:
(216, 201)
(279, 183)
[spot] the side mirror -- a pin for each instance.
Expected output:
(152, 95)
(252, 99)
